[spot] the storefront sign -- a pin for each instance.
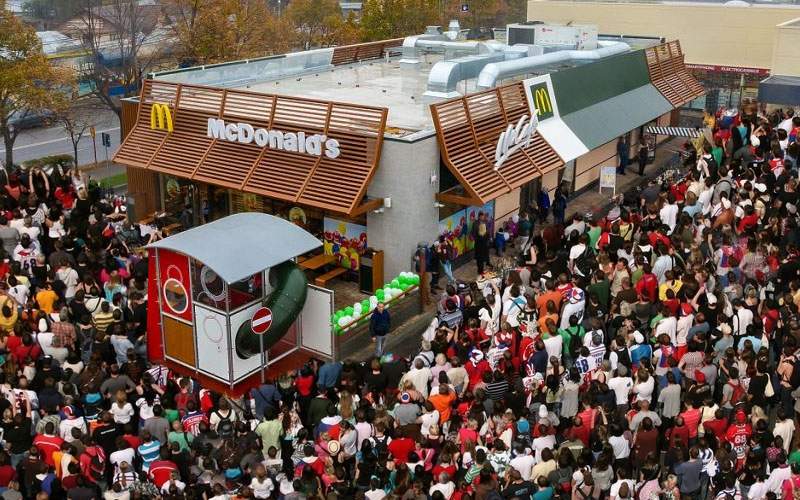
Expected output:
(298, 142)
(729, 69)
(515, 138)
(160, 117)
(608, 178)
(539, 91)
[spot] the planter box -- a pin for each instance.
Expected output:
(357, 338)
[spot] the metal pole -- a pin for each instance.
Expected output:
(94, 147)
(263, 359)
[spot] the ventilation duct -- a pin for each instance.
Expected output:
(495, 71)
(445, 75)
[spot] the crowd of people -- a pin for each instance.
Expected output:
(649, 353)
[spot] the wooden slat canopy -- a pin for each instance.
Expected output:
(669, 75)
(336, 184)
(347, 54)
(468, 129)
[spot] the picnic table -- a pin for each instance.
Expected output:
(317, 262)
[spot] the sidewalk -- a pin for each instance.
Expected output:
(597, 203)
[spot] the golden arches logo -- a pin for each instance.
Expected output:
(541, 99)
(160, 117)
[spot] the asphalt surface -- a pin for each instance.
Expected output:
(53, 140)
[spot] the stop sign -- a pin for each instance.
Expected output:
(261, 320)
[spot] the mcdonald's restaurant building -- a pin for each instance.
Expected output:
(364, 146)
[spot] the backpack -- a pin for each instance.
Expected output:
(576, 339)
(97, 463)
(381, 444)
(563, 482)
(582, 262)
(738, 394)
(223, 421)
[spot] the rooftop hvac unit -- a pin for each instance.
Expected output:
(581, 37)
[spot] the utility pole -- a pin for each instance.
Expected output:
(93, 133)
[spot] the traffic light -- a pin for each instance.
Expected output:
(105, 139)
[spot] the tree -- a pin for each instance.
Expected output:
(316, 21)
(76, 119)
(209, 31)
(123, 40)
(28, 82)
(383, 19)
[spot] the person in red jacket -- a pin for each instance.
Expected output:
(648, 283)
(717, 426)
(678, 435)
(161, 469)
(48, 443)
(401, 446)
(738, 435)
(476, 367)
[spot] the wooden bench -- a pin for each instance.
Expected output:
(323, 279)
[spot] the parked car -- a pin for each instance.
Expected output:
(32, 119)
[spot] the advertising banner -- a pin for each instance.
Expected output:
(345, 240)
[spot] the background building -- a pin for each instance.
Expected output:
(729, 46)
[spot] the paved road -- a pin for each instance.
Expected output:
(38, 142)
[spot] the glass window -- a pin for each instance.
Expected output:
(208, 287)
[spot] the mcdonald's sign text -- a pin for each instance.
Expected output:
(515, 138)
(161, 117)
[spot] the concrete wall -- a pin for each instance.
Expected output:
(709, 33)
(784, 55)
(404, 175)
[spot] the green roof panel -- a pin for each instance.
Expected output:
(582, 86)
(608, 119)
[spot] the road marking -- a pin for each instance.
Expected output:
(51, 141)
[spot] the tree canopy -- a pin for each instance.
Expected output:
(28, 82)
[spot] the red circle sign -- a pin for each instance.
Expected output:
(261, 320)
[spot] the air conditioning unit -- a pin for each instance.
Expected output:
(580, 37)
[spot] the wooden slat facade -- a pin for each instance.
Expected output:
(142, 185)
(347, 54)
(669, 74)
(337, 184)
(468, 129)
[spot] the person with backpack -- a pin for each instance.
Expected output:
(572, 338)
(733, 392)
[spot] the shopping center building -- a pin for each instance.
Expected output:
(729, 46)
(388, 144)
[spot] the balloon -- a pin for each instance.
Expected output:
(373, 299)
(357, 310)
(343, 321)
(379, 293)
(365, 305)
(395, 283)
(348, 310)
(415, 279)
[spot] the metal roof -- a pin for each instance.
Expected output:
(780, 89)
(606, 120)
(240, 245)
(187, 150)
